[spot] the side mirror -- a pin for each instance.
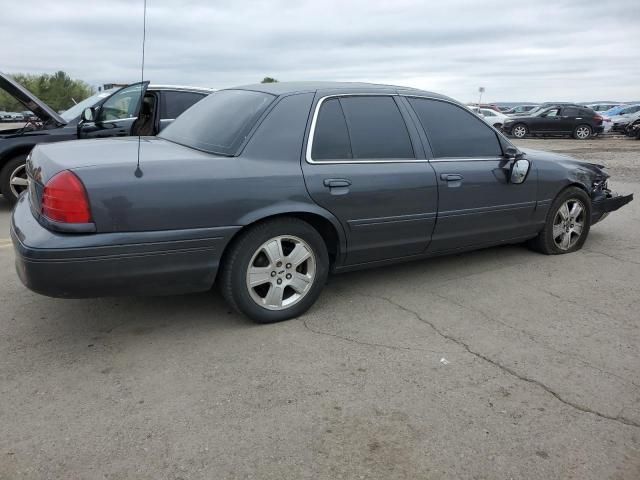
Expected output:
(88, 114)
(510, 152)
(519, 171)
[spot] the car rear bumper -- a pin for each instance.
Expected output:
(129, 263)
(607, 202)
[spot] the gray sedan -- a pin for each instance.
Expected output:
(265, 189)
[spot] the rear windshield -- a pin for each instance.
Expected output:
(219, 123)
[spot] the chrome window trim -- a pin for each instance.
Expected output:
(384, 160)
(312, 132)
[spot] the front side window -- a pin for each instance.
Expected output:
(221, 122)
(122, 104)
(75, 111)
(361, 128)
(554, 112)
(454, 132)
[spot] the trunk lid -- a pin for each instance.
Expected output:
(29, 100)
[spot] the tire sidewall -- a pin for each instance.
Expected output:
(569, 193)
(248, 245)
(5, 177)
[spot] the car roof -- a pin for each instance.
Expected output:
(287, 88)
(183, 88)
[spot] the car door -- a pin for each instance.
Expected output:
(477, 204)
(365, 164)
(116, 115)
(570, 117)
(548, 121)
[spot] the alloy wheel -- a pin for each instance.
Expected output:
(281, 272)
(18, 180)
(583, 132)
(519, 131)
(568, 224)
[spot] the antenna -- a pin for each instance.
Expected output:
(138, 172)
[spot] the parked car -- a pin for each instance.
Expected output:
(634, 130)
(602, 107)
(490, 106)
(580, 122)
(137, 109)
(16, 117)
(520, 109)
(633, 123)
(545, 106)
(619, 123)
(492, 117)
(281, 183)
(612, 112)
(30, 116)
(5, 116)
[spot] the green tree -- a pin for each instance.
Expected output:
(269, 80)
(57, 90)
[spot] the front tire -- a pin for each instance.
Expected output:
(519, 130)
(13, 178)
(567, 224)
(582, 132)
(275, 270)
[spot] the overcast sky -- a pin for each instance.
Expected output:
(534, 50)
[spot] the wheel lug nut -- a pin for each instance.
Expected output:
(279, 281)
(278, 264)
(273, 274)
(288, 265)
(288, 276)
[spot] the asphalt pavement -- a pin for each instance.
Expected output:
(496, 364)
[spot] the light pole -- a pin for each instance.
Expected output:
(481, 91)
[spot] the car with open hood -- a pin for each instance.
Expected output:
(135, 109)
(283, 183)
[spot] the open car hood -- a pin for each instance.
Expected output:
(29, 100)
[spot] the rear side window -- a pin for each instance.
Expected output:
(219, 123)
(174, 103)
(453, 132)
(331, 137)
(376, 128)
(571, 112)
(360, 127)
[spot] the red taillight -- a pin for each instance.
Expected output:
(65, 199)
(598, 118)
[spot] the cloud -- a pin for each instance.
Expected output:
(548, 49)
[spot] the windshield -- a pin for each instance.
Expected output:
(219, 123)
(77, 109)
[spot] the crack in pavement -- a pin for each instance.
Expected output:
(369, 344)
(531, 337)
(623, 260)
(582, 408)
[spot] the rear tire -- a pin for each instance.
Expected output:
(13, 178)
(567, 224)
(263, 277)
(582, 132)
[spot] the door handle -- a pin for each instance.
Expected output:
(336, 182)
(451, 177)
